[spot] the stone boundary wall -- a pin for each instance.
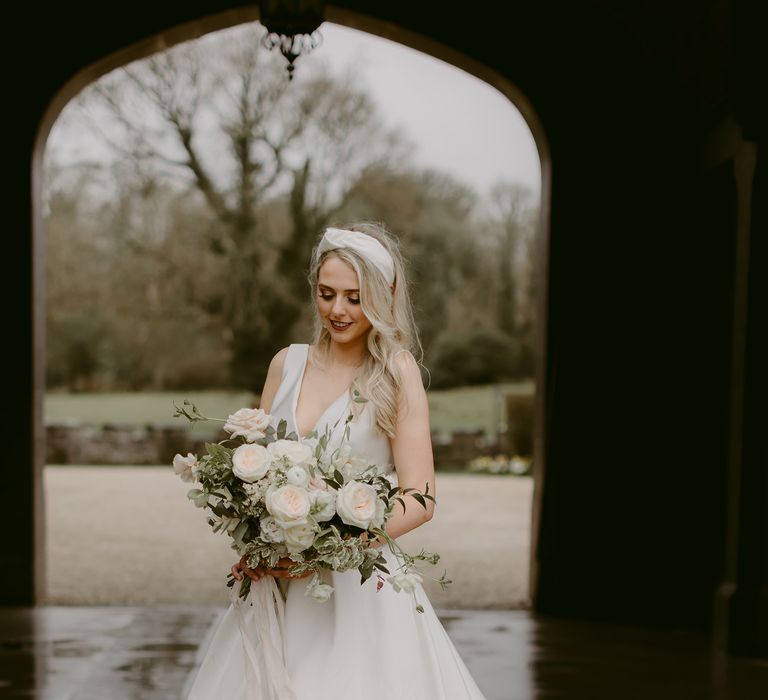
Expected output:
(156, 443)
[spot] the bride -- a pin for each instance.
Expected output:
(367, 640)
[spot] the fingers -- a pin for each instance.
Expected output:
(241, 568)
(281, 571)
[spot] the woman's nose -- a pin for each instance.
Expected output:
(338, 306)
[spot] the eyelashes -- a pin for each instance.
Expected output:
(328, 297)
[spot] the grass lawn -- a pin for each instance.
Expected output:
(476, 406)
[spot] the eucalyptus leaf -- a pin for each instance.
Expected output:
(331, 482)
(240, 531)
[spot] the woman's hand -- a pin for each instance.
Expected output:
(280, 571)
(375, 542)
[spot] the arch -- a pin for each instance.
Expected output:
(337, 15)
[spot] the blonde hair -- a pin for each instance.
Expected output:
(393, 327)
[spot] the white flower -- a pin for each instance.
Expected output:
(353, 467)
(250, 462)
(317, 590)
(379, 516)
(185, 467)
(271, 531)
(356, 504)
(323, 504)
(289, 504)
(255, 490)
(248, 422)
(405, 582)
(297, 476)
(295, 452)
(316, 483)
(299, 537)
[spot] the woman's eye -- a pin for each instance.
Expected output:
(328, 297)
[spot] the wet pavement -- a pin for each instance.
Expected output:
(151, 653)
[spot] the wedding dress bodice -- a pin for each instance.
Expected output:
(364, 439)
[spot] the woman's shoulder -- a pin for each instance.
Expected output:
(407, 364)
(405, 357)
(277, 365)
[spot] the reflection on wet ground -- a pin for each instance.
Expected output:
(99, 653)
(151, 653)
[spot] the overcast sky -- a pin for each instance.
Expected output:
(458, 122)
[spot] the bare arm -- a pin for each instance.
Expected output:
(272, 382)
(412, 450)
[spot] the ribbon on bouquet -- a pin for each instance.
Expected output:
(271, 673)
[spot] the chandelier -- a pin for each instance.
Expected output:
(292, 27)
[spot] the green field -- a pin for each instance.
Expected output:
(477, 406)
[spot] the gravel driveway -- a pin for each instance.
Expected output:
(128, 535)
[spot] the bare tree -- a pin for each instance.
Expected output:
(511, 211)
(219, 119)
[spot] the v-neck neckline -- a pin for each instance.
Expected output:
(298, 392)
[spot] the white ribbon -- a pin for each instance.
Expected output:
(268, 671)
(367, 246)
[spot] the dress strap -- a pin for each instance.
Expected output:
(292, 368)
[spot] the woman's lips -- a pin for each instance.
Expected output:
(340, 326)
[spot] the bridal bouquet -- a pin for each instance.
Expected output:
(280, 497)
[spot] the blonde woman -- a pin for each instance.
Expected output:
(366, 641)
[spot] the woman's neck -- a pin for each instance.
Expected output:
(347, 354)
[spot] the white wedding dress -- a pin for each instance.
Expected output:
(362, 643)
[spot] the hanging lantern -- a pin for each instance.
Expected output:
(292, 27)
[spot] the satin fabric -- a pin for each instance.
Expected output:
(368, 641)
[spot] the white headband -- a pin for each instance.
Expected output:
(366, 245)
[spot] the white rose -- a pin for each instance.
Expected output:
(356, 504)
(185, 467)
(297, 476)
(270, 530)
(289, 504)
(248, 422)
(317, 590)
(295, 452)
(323, 504)
(378, 518)
(353, 467)
(250, 462)
(316, 483)
(405, 582)
(299, 537)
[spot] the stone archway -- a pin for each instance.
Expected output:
(636, 101)
(350, 19)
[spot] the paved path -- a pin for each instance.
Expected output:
(129, 536)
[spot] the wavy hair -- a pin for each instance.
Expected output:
(393, 327)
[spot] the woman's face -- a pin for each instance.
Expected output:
(338, 299)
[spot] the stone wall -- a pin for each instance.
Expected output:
(71, 442)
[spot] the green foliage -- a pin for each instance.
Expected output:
(75, 353)
(478, 356)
